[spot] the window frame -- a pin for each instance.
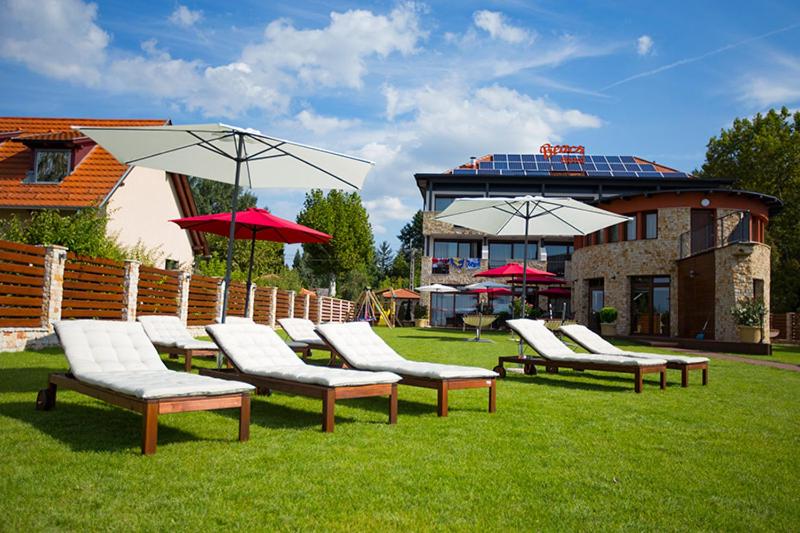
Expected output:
(645, 216)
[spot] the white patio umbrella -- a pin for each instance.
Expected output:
(524, 215)
(486, 285)
(242, 157)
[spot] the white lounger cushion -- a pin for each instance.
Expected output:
(362, 348)
(119, 356)
(169, 331)
(154, 384)
(257, 349)
(597, 344)
(301, 330)
(541, 339)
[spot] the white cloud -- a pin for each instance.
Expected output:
(777, 84)
(644, 45)
(183, 16)
(57, 38)
(321, 124)
(496, 25)
(385, 209)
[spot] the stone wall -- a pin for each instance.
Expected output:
(736, 266)
(431, 226)
(617, 262)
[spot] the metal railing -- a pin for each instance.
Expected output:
(728, 229)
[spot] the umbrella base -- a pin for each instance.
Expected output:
(476, 339)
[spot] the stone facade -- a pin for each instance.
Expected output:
(617, 262)
(737, 265)
(433, 227)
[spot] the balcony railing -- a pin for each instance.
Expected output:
(727, 229)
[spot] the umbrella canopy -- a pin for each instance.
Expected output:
(400, 294)
(254, 224)
(557, 292)
(486, 285)
(493, 291)
(540, 280)
(437, 287)
(512, 269)
(233, 155)
(514, 216)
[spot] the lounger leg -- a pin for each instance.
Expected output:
(244, 418)
(638, 381)
(705, 376)
(328, 404)
(684, 376)
(187, 362)
(442, 398)
(493, 396)
(393, 405)
(150, 428)
(663, 379)
(46, 399)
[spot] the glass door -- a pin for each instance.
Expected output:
(596, 302)
(650, 312)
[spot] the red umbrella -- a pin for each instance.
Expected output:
(511, 269)
(559, 292)
(255, 224)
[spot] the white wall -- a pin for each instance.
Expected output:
(140, 210)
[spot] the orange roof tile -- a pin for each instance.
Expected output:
(88, 184)
(401, 294)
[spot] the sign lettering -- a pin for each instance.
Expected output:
(568, 153)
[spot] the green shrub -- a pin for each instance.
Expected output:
(749, 312)
(608, 315)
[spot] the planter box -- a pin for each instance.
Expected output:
(608, 329)
(421, 322)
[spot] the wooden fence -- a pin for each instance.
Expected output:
(93, 288)
(203, 293)
(21, 281)
(787, 325)
(236, 298)
(159, 292)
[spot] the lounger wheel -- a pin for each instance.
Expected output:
(501, 370)
(44, 400)
(529, 369)
(263, 391)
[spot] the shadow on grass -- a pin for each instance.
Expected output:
(89, 428)
(30, 379)
(435, 338)
(555, 380)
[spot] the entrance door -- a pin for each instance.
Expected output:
(650, 311)
(703, 230)
(596, 302)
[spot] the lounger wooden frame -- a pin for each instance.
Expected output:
(150, 409)
(442, 386)
(187, 353)
(674, 365)
(328, 395)
(530, 363)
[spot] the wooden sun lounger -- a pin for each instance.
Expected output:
(328, 395)
(150, 409)
(188, 353)
(530, 364)
(442, 386)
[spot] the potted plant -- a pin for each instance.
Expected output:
(421, 316)
(608, 321)
(749, 315)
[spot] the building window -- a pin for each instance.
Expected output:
(557, 255)
(630, 229)
(51, 166)
(651, 225)
(501, 253)
(758, 290)
(613, 233)
(440, 203)
(447, 309)
(650, 310)
(599, 237)
(171, 264)
(457, 249)
(596, 302)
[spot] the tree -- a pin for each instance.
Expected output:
(351, 249)
(383, 260)
(763, 154)
(215, 197)
(411, 237)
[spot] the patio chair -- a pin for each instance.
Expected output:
(304, 337)
(170, 336)
(261, 358)
(555, 354)
(362, 348)
(115, 362)
(594, 343)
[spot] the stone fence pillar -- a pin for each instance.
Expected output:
(320, 302)
(252, 300)
(306, 305)
(273, 306)
(130, 290)
(291, 304)
(53, 285)
(220, 299)
(184, 281)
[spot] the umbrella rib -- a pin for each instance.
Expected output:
(134, 160)
(312, 165)
(580, 231)
(210, 147)
(256, 155)
(247, 166)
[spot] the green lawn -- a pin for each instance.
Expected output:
(566, 451)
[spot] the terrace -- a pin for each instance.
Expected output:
(563, 451)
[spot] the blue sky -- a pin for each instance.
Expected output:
(414, 87)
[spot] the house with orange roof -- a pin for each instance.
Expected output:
(47, 164)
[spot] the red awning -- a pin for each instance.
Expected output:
(510, 270)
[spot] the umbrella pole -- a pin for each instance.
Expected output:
(524, 302)
(250, 274)
(232, 234)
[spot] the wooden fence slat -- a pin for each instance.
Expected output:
(21, 311)
(19, 300)
(26, 259)
(91, 313)
(24, 248)
(18, 279)
(22, 269)
(20, 322)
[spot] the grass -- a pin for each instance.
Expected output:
(566, 451)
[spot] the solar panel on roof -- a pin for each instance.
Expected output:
(574, 167)
(514, 165)
(624, 174)
(676, 175)
(539, 157)
(650, 174)
(490, 171)
(528, 157)
(514, 157)
(599, 173)
(559, 166)
(613, 159)
(537, 173)
(464, 171)
(528, 165)
(485, 164)
(500, 165)
(499, 157)
(632, 168)
(648, 168)
(513, 172)
(628, 159)
(617, 167)
(588, 166)
(603, 166)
